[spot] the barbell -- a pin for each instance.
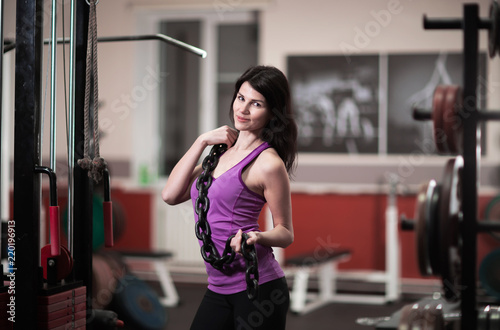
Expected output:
(449, 110)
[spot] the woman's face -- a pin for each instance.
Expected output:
(250, 109)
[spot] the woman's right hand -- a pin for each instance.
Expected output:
(222, 135)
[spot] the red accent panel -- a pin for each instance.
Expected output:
(108, 223)
(55, 237)
(137, 208)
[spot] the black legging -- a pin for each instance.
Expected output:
(237, 312)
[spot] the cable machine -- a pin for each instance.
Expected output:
(60, 273)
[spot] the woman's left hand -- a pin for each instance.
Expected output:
(236, 241)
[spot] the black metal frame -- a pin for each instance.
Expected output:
(82, 211)
(27, 184)
(470, 116)
(29, 22)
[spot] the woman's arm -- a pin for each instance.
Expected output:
(276, 189)
(176, 189)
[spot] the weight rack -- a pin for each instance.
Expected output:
(471, 24)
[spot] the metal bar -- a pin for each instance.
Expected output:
(452, 23)
(3, 195)
(82, 243)
(489, 115)
(51, 174)
(484, 115)
(442, 23)
(488, 225)
(53, 85)
(421, 114)
(71, 127)
(159, 36)
(27, 186)
(469, 174)
(8, 46)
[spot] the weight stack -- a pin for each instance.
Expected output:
(4, 309)
(64, 310)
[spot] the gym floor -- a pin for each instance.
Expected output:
(331, 316)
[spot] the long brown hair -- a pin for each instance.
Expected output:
(281, 130)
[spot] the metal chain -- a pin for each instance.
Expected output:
(203, 232)
(251, 264)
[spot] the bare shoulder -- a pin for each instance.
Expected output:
(266, 173)
(269, 163)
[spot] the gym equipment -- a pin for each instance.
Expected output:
(138, 305)
(422, 316)
(160, 37)
(449, 236)
(447, 105)
(95, 166)
(489, 273)
(432, 315)
(63, 310)
(426, 228)
(99, 220)
(27, 141)
(438, 213)
(104, 281)
(203, 233)
(55, 258)
(492, 213)
(390, 276)
(325, 264)
(457, 131)
(155, 264)
(107, 206)
(494, 30)
(447, 115)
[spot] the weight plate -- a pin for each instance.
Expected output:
(452, 122)
(489, 274)
(492, 210)
(138, 305)
(449, 233)
(437, 118)
(64, 262)
(70, 310)
(433, 225)
(423, 227)
(63, 296)
(70, 302)
(103, 282)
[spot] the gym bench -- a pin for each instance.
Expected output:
(158, 260)
(325, 265)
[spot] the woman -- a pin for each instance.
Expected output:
(254, 170)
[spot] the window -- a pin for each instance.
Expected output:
(185, 95)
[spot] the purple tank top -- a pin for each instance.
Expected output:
(232, 207)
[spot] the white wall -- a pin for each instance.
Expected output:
(287, 27)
